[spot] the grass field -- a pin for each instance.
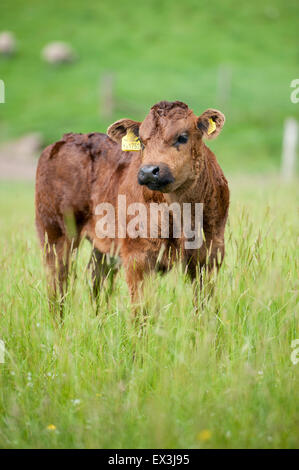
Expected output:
(223, 378)
(156, 49)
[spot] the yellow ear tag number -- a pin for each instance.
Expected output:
(130, 142)
(212, 126)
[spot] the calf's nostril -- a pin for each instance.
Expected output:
(149, 174)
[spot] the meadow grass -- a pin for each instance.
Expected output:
(219, 379)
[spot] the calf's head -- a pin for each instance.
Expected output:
(171, 143)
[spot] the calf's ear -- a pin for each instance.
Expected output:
(118, 129)
(210, 123)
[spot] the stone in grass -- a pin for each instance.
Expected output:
(7, 43)
(58, 53)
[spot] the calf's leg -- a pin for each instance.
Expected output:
(103, 269)
(201, 271)
(57, 256)
(136, 268)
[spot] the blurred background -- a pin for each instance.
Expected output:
(78, 66)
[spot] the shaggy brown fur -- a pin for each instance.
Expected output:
(80, 171)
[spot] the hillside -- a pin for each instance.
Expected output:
(156, 50)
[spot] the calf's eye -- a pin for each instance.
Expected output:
(182, 139)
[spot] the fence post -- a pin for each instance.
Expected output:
(2, 92)
(224, 85)
(107, 104)
(289, 144)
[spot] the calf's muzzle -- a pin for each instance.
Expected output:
(155, 177)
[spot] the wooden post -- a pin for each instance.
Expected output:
(224, 85)
(107, 104)
(2, 92)
(290, 139)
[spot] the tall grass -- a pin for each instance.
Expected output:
(222, 378)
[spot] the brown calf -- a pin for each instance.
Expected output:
(81, 171)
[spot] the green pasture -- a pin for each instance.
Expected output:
(222, 378)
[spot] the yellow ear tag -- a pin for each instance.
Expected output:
(130, 142)
(212, 126)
